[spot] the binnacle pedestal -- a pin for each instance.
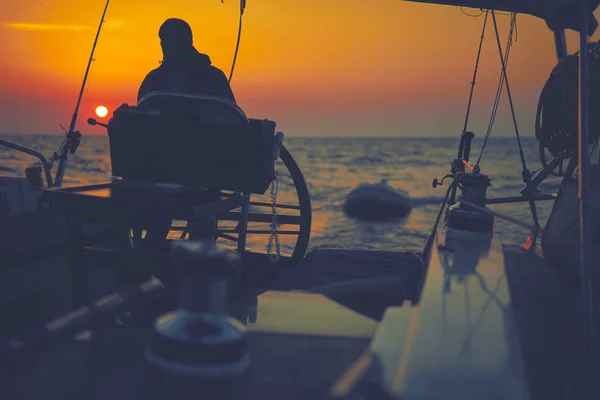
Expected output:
(198, 349)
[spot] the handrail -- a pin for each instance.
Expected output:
(215, 99)
(34, 153)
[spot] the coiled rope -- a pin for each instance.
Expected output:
(556, 120)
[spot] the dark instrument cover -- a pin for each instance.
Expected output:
(187, 148)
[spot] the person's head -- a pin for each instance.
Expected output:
(175, 39)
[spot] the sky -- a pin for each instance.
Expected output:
(316, 67)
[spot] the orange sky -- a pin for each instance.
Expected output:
(317, 67)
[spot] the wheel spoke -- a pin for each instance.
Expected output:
(228, 237)
(302, 221)
(260, 232)
(284, 206)
(282, 219)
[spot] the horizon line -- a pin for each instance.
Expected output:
(411, 136)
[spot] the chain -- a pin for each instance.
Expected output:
(274, 237)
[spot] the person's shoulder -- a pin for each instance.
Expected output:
(154, 80)
(155, 72)
(215, 71)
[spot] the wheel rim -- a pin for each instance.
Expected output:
(303, 220)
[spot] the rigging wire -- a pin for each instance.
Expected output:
(504, 57)
(481, 11)
(475, 72)
(525, 172)
(499, 89)
(72, 136)
(87, 71)
(501, 82)
(56, 155)
(239, 36)
(508, 93)
(508, 14)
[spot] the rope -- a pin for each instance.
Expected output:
(504, 81)
(475, 71)
(237, 45)
(505, 217)
(513, 25)
(512, 108)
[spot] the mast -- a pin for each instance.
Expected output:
(72, 140)
(584, 181)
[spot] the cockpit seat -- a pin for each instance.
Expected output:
(365, 281)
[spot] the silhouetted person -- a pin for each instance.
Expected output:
(184, 69)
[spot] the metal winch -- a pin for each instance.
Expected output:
(199, 348)
(462, 215)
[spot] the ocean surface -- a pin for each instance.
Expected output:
(332, 167)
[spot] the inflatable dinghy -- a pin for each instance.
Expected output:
(377, 201)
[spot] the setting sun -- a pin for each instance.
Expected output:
(101, 111)
(361, 73)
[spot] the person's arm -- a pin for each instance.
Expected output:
(222, 85)
(148, 85)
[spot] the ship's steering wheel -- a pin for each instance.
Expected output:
(296, 216)
(293, 211)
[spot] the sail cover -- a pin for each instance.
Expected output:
(558, 14)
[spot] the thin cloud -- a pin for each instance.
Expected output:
(35, 27)
(111, 25)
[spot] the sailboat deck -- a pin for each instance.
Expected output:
(549, 321)
(546, 308)
(33, 236)
(294, 366)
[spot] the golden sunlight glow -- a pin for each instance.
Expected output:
(101, 111)
(393, 67)
(24, 26)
